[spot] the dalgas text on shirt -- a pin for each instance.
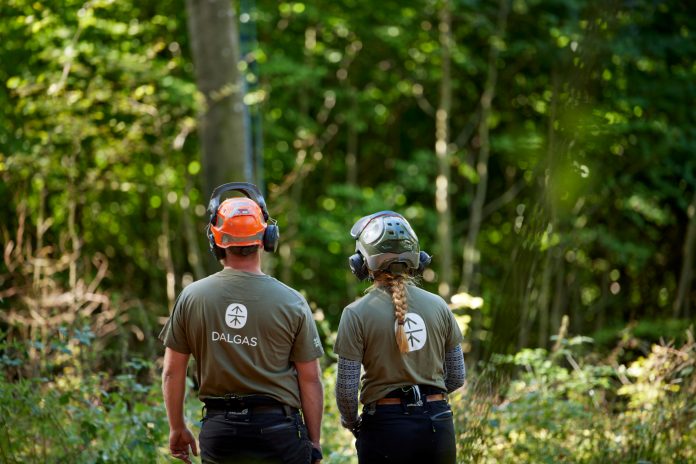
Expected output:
(234, 339)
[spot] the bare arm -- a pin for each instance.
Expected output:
(455, 370)
(174, 391)
(347, 386)
(312, 398)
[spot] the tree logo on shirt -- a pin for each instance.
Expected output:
(236, 316)
(416, 333)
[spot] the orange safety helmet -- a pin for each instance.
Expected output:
(238, 222)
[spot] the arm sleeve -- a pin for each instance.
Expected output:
(347, 386)
(455, 370)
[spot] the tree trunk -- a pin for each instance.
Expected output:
(681, 302)
(214, 38)
(352, 181)
(560, 300)
(442, 199)
(551, 260)
(527, 310)
(471, 253)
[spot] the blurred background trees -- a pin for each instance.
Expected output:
(543, 150)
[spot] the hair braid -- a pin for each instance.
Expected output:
(395, 284)
(397, 289)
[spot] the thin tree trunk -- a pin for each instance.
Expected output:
(527, 312)
(471, 253)
(293, 220)
(550, 264)
(166, 254)
(544, 299)
(681, 302)
(193, 254)
(72, 230)
(559, 294)
(214, 38)
(442, 116)
(352, 181)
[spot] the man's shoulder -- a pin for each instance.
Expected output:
(284, 291)
(199, 286)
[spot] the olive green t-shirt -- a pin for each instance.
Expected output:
(366, 333)
(245, 331)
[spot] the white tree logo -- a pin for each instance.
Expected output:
(416, 333)
(236, 316)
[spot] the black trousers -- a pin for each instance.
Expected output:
(401, 434)
(249, 438)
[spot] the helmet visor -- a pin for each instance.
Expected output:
(362, 223)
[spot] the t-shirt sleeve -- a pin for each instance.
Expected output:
(454, 334)
(349, 339)
(307, 345)
(173, 334)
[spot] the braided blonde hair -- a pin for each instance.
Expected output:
(396, 285)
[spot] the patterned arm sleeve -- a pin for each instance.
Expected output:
(455, 371)
(347, 386)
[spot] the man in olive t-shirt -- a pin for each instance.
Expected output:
(243, 328)
(256, 349)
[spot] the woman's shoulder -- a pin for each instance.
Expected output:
(371, 299)
(425, 296)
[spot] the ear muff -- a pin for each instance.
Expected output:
(211, 239)
(423, 261)
(271, 237)
(358, 266)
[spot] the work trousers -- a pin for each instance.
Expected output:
(264, 438)
(407, 434)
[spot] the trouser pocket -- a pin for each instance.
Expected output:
(443, 442)
(442, 416)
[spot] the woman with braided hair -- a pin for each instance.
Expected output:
(408, 345)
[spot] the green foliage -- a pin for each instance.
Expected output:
(590, 172)
(82, 418)
(587, 210)
(562, 406)
(558, 406)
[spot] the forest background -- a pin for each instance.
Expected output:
(543, 150)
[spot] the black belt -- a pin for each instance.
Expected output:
(408, 392)
(281, 410)
(247, 404)
(424, 398)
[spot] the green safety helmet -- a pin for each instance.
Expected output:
(385, 241)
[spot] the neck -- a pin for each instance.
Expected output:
(251, 263)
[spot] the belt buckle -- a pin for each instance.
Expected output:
(229, 410)
(417, 398)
